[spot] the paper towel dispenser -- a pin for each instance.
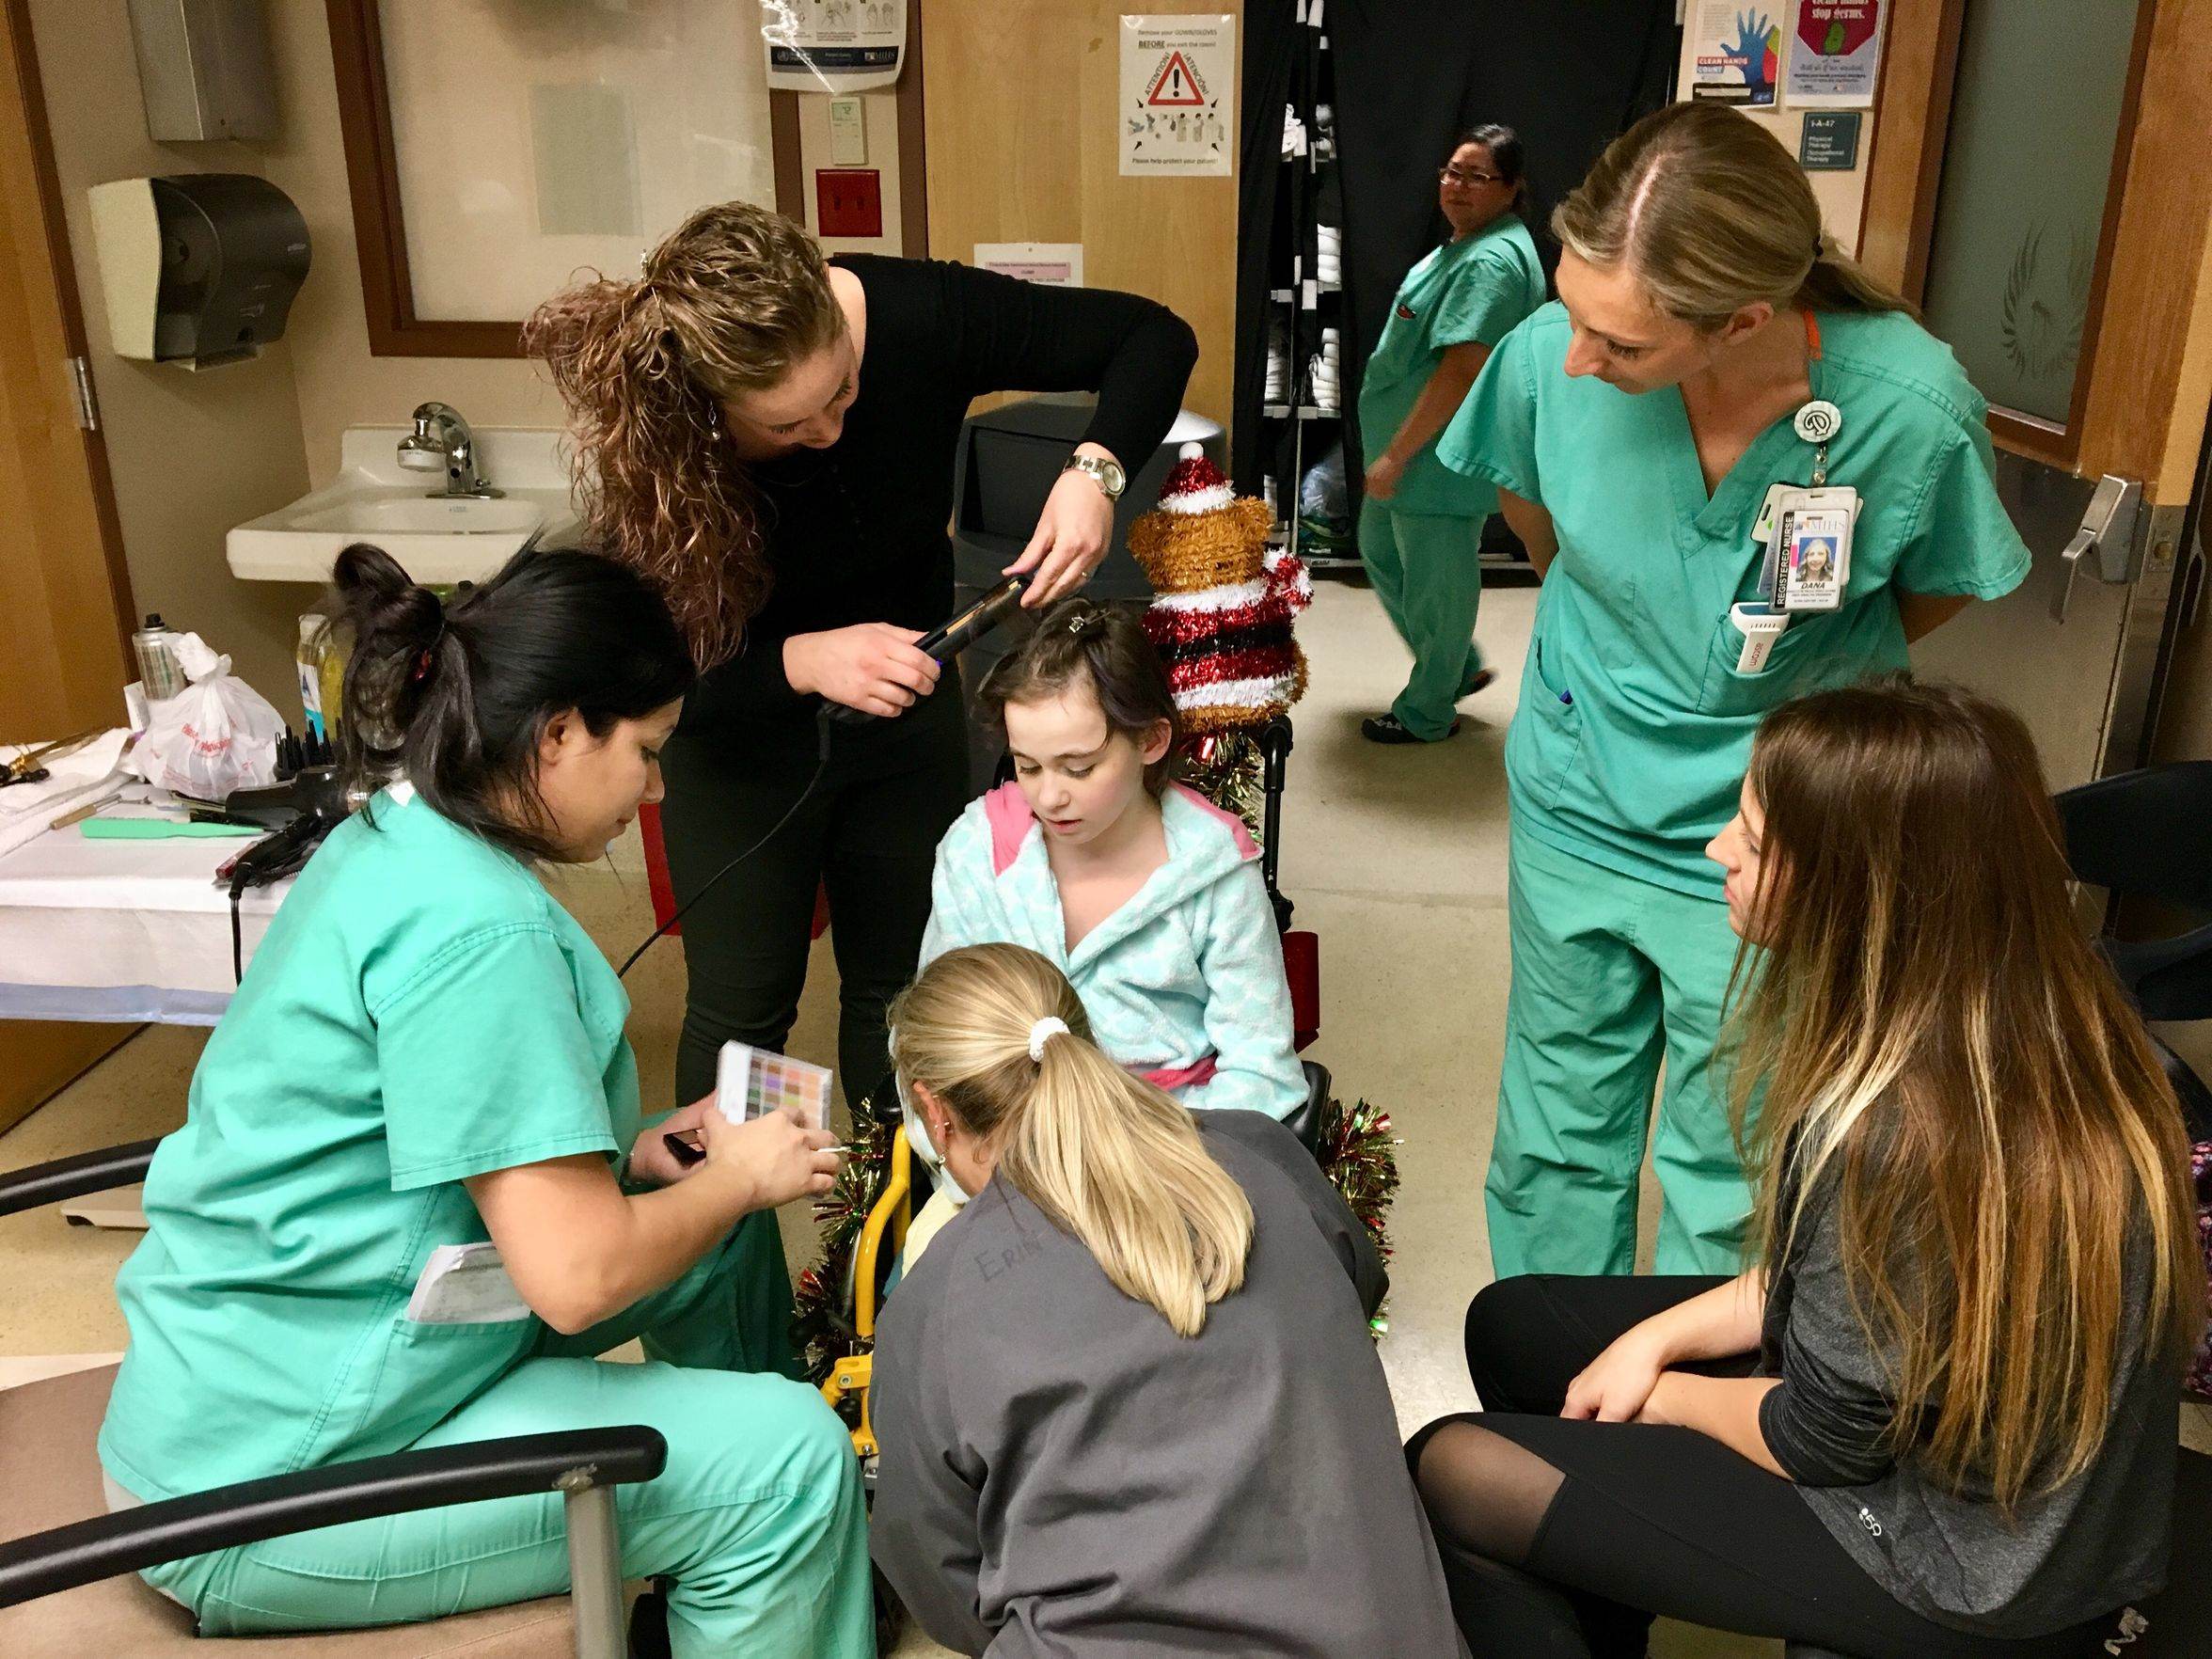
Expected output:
(197, 268)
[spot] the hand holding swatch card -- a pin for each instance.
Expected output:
(751, 1083)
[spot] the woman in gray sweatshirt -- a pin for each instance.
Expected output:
(1937, 1415)
(1127, 1402)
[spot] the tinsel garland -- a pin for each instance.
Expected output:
(1359, 1154)
(1229, 770)
(1356, 1151)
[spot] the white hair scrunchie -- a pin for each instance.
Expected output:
(1051, 1026)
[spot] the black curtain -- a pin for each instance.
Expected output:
(1568, 75)
(1273, 72)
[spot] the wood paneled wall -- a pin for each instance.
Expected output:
(1020, 118)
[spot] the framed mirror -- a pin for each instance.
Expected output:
(496, 148)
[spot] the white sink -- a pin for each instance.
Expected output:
(435, 537)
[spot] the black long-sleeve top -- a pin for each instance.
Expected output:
(857, 533)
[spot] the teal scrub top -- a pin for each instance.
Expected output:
(1475, 292)
(421, 1011)
(1635, 727)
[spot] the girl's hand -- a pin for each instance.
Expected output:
(1382, 476)
(1616, 1385)
(773, 1158)
(870, 666)
(1072, 535)
(651, 1160)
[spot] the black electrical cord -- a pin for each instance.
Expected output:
(821, 766)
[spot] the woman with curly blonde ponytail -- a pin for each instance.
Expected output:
(1129, 1389)
(769, 435)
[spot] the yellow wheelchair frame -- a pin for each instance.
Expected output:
(849, 1377)
(893, 1211)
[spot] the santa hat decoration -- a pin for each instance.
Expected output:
(1222, 618)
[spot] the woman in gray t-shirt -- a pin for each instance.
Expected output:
(1938, 1416)
(1128, 1403)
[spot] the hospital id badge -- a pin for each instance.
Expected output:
(1811, 549)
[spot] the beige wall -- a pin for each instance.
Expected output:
(194, 454)
(339, 384)
(190, 454)
(1841, 196)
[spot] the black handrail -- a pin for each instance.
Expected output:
(129, 1541)
(73, 1177)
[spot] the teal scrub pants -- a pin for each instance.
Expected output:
(1426, 569)
(758, 1519)
(1609, 974)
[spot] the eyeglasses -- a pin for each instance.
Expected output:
(1454, 175)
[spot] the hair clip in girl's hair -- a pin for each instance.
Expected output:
(421, 666)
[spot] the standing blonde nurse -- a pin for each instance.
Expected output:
(1709, 345)
(1420, 528)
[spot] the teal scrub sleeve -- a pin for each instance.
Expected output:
(1493, 434)
(1481, 305)
(1247, 1005)
(484, 1062)
(1963, 541)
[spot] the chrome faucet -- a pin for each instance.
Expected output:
(441, 442)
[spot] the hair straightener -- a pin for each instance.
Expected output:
(942, 644)
(947, 642)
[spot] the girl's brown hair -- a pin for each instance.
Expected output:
(1931, 1026)
(1080, 642)
(728, 303)
(1112, 1161)
(1707, 209)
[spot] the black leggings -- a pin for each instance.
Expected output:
(1563, 1538)
(868, 834)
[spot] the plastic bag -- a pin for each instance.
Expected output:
(215, 735)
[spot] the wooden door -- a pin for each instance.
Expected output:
(64, 595)
(2038, 183)
(1023, 146)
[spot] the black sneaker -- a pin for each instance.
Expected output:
(1388, 728)
(1481, 679)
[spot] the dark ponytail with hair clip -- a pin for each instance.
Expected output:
(1105, 647)
(456, 697)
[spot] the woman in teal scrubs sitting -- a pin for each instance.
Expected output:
(1708, 343)
(411, 1202)
(1420, 527)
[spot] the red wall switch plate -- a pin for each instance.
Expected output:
(848, 202)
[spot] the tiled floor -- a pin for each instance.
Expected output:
(1394, 857)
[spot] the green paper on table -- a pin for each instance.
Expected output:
(160, 830)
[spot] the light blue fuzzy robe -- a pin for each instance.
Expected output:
(1189, 971)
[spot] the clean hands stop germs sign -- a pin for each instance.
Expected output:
(1834, 53)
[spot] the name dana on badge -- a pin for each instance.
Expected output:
(1808, 547)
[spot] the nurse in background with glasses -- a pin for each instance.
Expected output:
(1420, 527)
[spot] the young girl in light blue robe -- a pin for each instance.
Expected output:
(1145, 894)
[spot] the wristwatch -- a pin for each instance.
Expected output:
(1106, 474)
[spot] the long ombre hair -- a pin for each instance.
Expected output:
(1932, 1026)
(729, 302)
(1110, 1158)
(1707, 209)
